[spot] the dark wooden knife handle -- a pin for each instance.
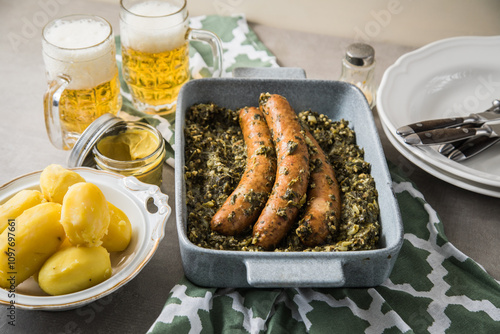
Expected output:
(439, 136)
(429, 125)
(473, 147)
(447, 148)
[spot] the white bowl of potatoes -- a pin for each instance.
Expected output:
(95, 231)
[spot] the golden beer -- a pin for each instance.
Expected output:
(155, 37)
(80, 107)
(156, 78)
(80, 62)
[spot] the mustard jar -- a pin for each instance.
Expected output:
(123, 147)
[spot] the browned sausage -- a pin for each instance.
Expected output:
(322, 211)
(242, 208)
(292, 175)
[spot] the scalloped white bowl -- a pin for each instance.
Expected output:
(129, 195)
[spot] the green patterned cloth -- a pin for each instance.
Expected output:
(241, 48)
(433, 288)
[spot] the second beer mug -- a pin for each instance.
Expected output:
(155, 51)
(80, 61)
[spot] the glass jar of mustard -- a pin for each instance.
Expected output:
(127, 148)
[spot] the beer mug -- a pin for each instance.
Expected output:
(155, 51)
(80, 62)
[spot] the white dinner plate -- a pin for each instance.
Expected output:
(451, 77)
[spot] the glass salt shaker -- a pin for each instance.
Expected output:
(358, 67)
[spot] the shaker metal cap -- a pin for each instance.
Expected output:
(81, 153)
(360, 54)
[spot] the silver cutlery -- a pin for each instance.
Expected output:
(447, 135)
(460, 138)
(491, 114)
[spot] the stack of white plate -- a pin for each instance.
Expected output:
(452, 77)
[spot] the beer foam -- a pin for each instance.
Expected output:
(77, 34)
(81, 50)
(154, 8)
(157, 26)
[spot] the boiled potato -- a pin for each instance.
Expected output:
(74, 269)
(66, 243)
(119, 230)
(55, 181)
(27, 243)
(85, 215)
(16, 205)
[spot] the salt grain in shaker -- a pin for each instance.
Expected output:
(358, 67)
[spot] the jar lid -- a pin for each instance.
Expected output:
(81, 154)
(360, 54)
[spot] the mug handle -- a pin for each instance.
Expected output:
(51, 101)
(215, 43)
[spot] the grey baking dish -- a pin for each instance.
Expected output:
(216, 268)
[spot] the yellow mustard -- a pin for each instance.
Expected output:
(129, 145)
(132, 149)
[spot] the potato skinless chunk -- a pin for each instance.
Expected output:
(85, 215)
(74, 269)
(25, 245)
(55, 181)
(119, 230)
(17, 204)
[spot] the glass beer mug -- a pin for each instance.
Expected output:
(80, 62)
(155, 51)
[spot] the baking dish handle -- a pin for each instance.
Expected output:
(269, 72)
(309, 272)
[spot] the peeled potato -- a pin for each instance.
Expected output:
(74, 269)
(85, 215)
(26, 244)
(65, 244)
(119, 230)
(55, 181)
(17, 204)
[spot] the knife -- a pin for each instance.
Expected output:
(493, 113)
(447, 135)
(472, 147)
(446, 148)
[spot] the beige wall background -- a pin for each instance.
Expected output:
(406, 22)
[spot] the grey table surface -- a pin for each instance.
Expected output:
(470, 220)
